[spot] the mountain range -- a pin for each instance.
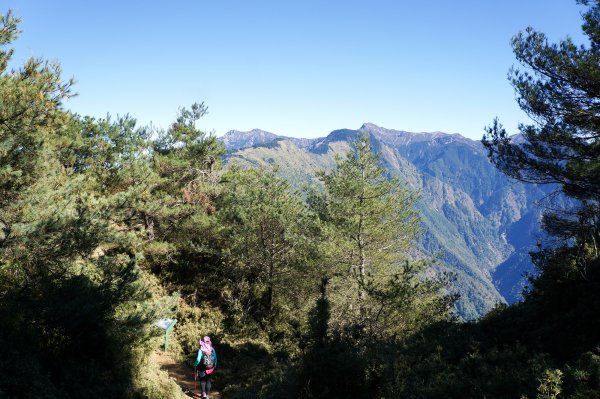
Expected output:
(479, 223)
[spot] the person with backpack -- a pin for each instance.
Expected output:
(205, 365)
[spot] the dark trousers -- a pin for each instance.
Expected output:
(205, 383)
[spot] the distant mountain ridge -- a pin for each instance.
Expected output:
(236, 140)
(481, 222)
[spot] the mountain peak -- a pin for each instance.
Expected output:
(253, 132)
(403, 137)
(369, 126)
(238, 140)
(235, 139)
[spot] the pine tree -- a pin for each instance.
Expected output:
(269, 238)
(71, 292)
(177, 217)
(560, 91)
(372, 225)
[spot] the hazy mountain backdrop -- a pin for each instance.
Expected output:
(481, 223)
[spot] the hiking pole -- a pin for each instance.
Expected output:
(195, 380)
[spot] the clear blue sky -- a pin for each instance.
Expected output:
(297, 68)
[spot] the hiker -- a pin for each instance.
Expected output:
(206, 361)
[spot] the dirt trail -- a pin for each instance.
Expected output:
(183, 375)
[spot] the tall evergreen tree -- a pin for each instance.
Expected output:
(372, 226)
(187, 164)
(560, 90)
(269, 238)
(71, 292)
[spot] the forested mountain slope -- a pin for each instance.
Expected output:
(480, 222)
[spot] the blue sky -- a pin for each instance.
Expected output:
(297, 68)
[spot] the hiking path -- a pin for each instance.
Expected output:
(182, 374)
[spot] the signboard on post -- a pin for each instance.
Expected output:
(167, 325)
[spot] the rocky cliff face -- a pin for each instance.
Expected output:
(478, 221)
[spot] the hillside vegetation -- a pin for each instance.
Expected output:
(475, 220)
